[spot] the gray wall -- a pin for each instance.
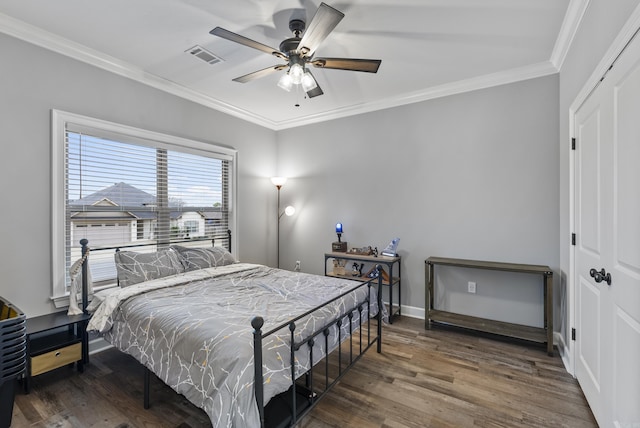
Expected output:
(601, 24)
(467, 176)
(475, 175)
(32, 82)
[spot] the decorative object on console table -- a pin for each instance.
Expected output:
(356, 270)
(364, 251)
(338, 267)
(339, 246)
(373, 273)
(391, 250)
(391, 280)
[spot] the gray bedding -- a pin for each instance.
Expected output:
(195, 334)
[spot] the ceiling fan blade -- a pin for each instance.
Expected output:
(366, 65)
(226, 34)
(315, 91)
(323, 22)
(260, 73)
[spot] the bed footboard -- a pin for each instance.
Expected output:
(301, 398)
(353, 331)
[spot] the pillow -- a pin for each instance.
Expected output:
(135, 267)
(99, 297)
(75, 274)
(200, 258)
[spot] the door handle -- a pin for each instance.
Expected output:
(600, 276)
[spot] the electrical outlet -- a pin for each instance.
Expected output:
(297, 268)
(471, 286)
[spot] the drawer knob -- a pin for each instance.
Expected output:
(58, 354)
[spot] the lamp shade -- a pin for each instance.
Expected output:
(296, 72)
(308, 82)
(290, 210)
(278, 181)
(286, 82)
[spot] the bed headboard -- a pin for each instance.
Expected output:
(84, 243)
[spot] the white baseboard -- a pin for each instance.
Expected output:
(564, 352)
(413, 312)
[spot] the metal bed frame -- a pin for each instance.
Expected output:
(287, 408)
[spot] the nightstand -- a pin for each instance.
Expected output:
(55, 340)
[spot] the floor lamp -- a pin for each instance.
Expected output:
(289, 211)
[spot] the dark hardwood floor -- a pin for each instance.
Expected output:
(436, 378)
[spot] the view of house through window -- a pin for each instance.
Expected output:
(140, 195)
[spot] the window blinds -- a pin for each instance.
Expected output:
(122, 191)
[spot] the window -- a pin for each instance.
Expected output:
(191, 227)
(120, 186)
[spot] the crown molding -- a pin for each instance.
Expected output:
(46, 40)
(36, 36)
(626, 34)
(570, 25)
(482, 82)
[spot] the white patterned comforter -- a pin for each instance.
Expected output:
(193, 330)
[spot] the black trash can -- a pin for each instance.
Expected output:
(13, 350)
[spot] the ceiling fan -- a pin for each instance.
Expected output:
(298, 52)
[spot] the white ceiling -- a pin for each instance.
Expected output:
(428, 48)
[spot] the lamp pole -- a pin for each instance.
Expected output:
(279, 182)
(278, 228)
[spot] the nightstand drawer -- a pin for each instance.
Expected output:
(57, 358)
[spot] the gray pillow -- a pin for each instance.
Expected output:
(200, 258)
(136, 267)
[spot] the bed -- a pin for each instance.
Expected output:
(220, 332)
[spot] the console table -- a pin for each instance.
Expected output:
(534, 334)
(389, 262)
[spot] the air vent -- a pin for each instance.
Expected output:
(204, 55)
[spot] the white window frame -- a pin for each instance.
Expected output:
(59, 121)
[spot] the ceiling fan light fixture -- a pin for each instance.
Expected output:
(308, 82)
(299, 51)
(296, 72)
(286, 82)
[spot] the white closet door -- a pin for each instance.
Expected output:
(593, 311)
(607, 205)
(625, 231)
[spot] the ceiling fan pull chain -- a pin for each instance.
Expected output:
(297, 104)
